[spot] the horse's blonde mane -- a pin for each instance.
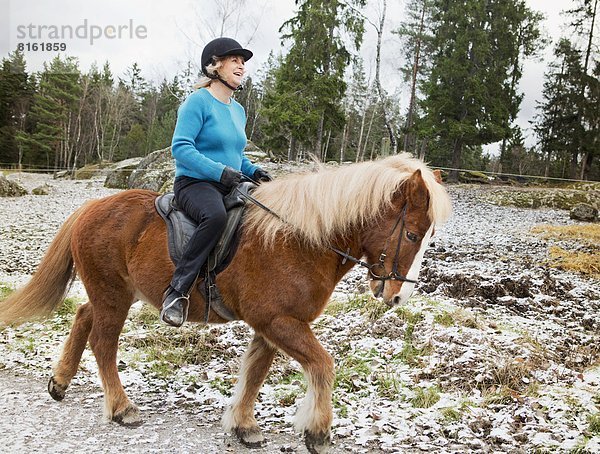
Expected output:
(318, 206)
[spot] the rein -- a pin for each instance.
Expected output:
(393, 275)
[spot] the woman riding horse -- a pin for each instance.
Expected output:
(208, 147)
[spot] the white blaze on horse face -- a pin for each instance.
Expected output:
(413, 273)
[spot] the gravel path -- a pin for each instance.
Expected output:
(484, 264)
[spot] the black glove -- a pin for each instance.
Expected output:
(230, 177)
(262, 175)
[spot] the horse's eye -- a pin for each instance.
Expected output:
(412, 237)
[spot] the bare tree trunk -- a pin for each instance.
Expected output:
(324, 158)
(360, 136)
(319, 143)
(380, 91)
(409, 138)
(344, 139)
(368, 134)
(456, 160)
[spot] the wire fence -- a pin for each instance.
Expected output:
(7, 167)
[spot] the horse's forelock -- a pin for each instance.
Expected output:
(319, 206)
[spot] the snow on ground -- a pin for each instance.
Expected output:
(495, 352)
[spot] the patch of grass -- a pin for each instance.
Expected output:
(388, 385)
(580, 262)
(5, 290)
(287, 398)
(374, 309)
(166, 350)
(587, 233)
(69, 307)
(410, 353)
(594, 424)
(410, 317)
(222, 385)
(352, 303)
(584, 262)
(450, 414)
(425, 397)
(502, 395)
(147, 316)
(351, 372)
(342, 407)
(458, 317)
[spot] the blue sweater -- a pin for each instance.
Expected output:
(210, 135)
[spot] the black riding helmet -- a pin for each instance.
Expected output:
(221, 47)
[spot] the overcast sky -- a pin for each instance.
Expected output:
(162, 35)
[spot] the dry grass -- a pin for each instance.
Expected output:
(581, 262)
(584, 262)
(587, 233)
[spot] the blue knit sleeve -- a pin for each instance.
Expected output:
(190, 119)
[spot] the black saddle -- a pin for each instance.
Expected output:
(180, 228)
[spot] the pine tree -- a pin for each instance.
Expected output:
(309, 83)
(468, 93)
(16, 93)
(53, 109)
(558, 125)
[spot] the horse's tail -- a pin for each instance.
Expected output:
(48, 286)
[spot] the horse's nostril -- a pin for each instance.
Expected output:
(396, 300)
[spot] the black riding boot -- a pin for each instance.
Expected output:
(203, 202)
(175, 307)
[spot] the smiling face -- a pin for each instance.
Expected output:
(232, 69)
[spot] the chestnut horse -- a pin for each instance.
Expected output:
(278, 282)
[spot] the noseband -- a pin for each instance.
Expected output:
(377, 270)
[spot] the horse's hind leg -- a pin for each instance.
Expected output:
(315, 416)
(239, 417)
(67, 365)
(110, 313)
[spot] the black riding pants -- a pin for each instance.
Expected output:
(203, 202)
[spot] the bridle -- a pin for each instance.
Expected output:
(376, 270)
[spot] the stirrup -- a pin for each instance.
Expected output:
(180, 315)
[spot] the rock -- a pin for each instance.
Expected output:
(10, 188)
(41, 190)
(118, 176)
(153, 171)
(584, 212)
(471, 176)
(93, 170)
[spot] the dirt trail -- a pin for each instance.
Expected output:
(30, 422)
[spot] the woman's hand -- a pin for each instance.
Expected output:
(262, 175)
(230, 177)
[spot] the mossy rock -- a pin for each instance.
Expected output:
(42, 190)
(118, 175)
(153, 171)
(10, 188)
(91, 171)
(563, 199)
(472, 176)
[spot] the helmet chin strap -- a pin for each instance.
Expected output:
(238, 88)
(224, 82)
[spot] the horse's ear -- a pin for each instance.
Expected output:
(437, 173)
(417, 190)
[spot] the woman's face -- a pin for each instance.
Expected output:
(232, 70)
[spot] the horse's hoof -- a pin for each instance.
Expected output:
(251, 438)
(129, 417)
(57, 391)
(317, 443)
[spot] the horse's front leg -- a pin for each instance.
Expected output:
(239, 416)
(314, 417)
